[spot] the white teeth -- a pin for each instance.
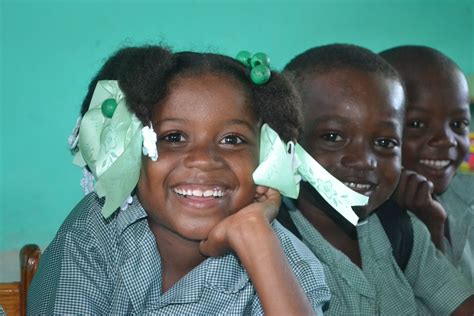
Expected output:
(436, 164)
(198, 193)
(357, 186)
(217, 193)
(208, 193)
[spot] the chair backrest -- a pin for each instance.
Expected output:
(13, 295)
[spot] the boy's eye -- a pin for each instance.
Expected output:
(173, 138)
(386, 143)
(332, 137)
(415, 124)
(232, 140)
(461, 125)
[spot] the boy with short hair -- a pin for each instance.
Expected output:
(435, 142)
(353, 121)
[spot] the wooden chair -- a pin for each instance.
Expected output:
(13, 295)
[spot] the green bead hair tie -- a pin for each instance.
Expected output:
(260, 66)
(108, 107)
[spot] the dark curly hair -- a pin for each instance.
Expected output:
(323, 59)
(145, 73)
(411, 60)
(417, 56)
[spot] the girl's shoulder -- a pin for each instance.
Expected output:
(86, 218)
(305, 265)
(85, 215)
(296, 251)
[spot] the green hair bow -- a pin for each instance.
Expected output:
(110, 143)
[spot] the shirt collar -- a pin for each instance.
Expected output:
(132, 214)
(223, 274)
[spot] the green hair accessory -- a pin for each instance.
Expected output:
(260, 66)
(282, 167)
(110, 144)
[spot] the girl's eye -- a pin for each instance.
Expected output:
(173, 138)
(415, 124)
(332, 137)
(460, 125)
(232, 140)
(386, 143)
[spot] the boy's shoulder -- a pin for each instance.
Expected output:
(460, 192)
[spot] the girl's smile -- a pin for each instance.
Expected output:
(201, 196)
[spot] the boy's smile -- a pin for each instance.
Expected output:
(353, 127)
(208, 144)
(435, 139)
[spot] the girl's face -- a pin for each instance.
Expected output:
(353, 128)
(436, 136)
(208, 146)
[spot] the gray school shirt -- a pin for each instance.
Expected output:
(112, 267)
(429, 286)
(458, 202)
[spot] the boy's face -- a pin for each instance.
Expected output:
(208, 146)
(353, 128)
(436, 136)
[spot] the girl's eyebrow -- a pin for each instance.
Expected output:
(252, 127)
(169, 119)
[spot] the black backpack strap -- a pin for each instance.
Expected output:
(397, 225)
(284, 216)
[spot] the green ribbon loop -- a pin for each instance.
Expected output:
(110, 147)
(281, 169)
(276, 168)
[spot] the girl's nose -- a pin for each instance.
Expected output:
(204, 156)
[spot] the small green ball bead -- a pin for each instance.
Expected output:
(244, 57)
(108, 107)
(260, 74)
(260, 59)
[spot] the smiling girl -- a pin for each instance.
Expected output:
(197, 236)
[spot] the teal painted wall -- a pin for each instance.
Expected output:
(50, 49)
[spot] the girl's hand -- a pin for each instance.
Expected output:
(249, 234)
(246, 225)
